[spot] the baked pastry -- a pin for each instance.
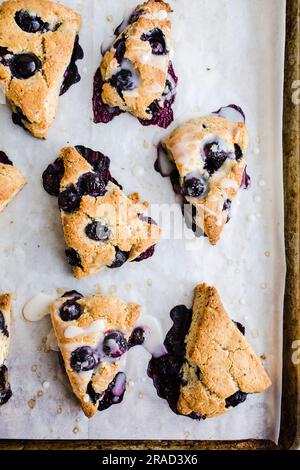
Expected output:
(102, 226)
(209, 155)
(92, 334)
(11, 180)
(136, 74)
(38, 50)
(209, 367)
(5, 312)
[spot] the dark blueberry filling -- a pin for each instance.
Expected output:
(52, 177)
(165, 370)
(227, 205)
(162, 115)
(24, 66)
(98, 160)
(102, 112)
(97, 231)
(92, 184)
(114, 393)
(194, 187)
(73, 258)
(5, 56)
(71, 75)
(71, 310)
(120, 46)
(5, 390)
(3, 326)
(235, 399)
(246, 180)
(69, 199)
(120, 258)
(32, 24)
(137, 337)
(74, 294)
(94, 396)
(4, 159)
(114, 344)
(83, 359)
(157, 41)
(123, 81)
(146, 254)
(240, 327)
(214, 158)
(238, 152)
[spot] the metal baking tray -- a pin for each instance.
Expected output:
(290, 410)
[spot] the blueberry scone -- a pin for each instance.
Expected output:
(136, 74)
(11, 180)
(38, 50)
(5, 312)
(208, 154)
(209, 367)
(102, 226)
(92, 334)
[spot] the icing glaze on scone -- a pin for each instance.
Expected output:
(11, 180)
(38, 50)
(209, 367)
(92, 334)
(209, 154)
(102, 226)
(5, 314)
(136, 74)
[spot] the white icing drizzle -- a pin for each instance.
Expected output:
(37, 307)
(74, 331)
(153, 335)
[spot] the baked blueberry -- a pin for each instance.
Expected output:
(123, 81)
(24, 66)
(92, 184)
(84, 359)
(97, 231)
(30, 23)
(4, 159)
(69, 199)
(5, 390)
(157, 41)
(74, 294)
(194, 187)
(137, 337)
(238, 152)
(73, 257)
(114, 344)
(70, 310)
(214, 157)
(94, 396)
(3, 326)
(120, 258)
(52, 177)
(120, 47)
(227, 205)
(235, 399)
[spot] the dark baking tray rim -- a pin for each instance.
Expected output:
(289, 428)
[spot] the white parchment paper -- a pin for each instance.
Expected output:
(227, 51)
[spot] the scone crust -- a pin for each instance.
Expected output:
(117, 211)
(11, 182)
(116, 314)
(183, 147)
(227, 363)
(37, 97)
(5, 309)
(153, 71)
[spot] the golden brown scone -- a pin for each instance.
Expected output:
(209, 153)
(220, 365)
(92, 334)
(106, 230)
(135, 69)
(49, 36)
(5, 314)
(11, 181)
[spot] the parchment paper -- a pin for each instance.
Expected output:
(227, 51)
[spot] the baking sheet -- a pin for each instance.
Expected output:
(226, 51)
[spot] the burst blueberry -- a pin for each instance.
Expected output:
(69, 199)
(52, 177)
(195, 187)
(114, 344)
(92, 184)
(157, 41)
(73, 257)
(84, 359)
(120, 258)
(70, 310)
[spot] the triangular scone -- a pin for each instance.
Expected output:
(92, 334)
(38, 48)
(5, 312)
(136, 74)
(220, 367)
(102, 226)
(209, 154)
(11, 180)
